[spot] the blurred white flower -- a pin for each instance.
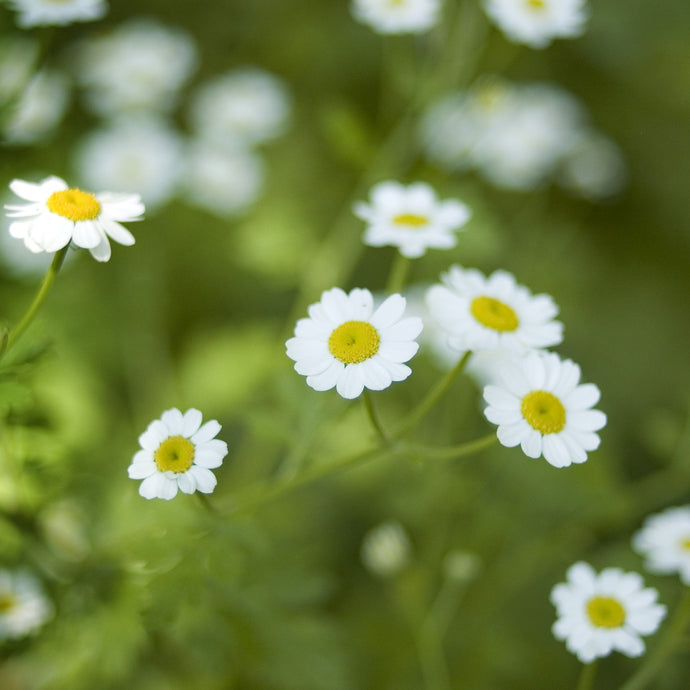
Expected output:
(24, 608)
(139, 153)
(223, 181)
(348, 345)
(541, 406)
(536, 22)
(178, 453)
(664, 540)
(410, 218)
(139, 66)
(600, 613)
(58, 215)
(397, 16)
(18, 56)
(386, 550)
(60, 12)
(480, 313)
(39, 108)
(246, 105)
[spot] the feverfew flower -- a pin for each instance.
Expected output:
(601, 613)
(540, 406)
(23, 606)
(386, 549)
(347, 345)
(536, 22)
(58, 215)
(245, 106)
(48, 12)
(410, 218)
(665, 541)
(397, 16)
(480, 313)
(178, 453)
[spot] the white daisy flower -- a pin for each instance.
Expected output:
(178, 453)
(536, 22)
(386, 549)
(540, 406)
(347, 345)
(410, 218)
(24, 607)
(480, 313)
(58, 215)
(397, 16)
(665, 541)
(600, 613)
(60, 12)
(243, 106)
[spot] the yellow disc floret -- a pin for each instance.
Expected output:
(543, 412)
(74, 205)
(536, 4)
(7, 601)
(685, 543)
(412, 220)
(605, 612)
(494, 314)
(175, 454)
(354, 342)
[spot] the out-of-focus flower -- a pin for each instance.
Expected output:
(24, 607)
(600, 613)
(348, 345)
(480, 313)
(410, 218)
(38, 109)
(18, 56)
(57, 215)
(665, 542)
(221, 180)
(541, 406)
(178, 453)
(243, 106)
(62, 12)
(139, 66)
(536, 22)
(397, 16)
(386, 549)
(139, 153)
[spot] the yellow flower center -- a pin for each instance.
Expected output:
(74, 205)
(7, 601)
(494, 314)
(536, 4)
(605, 612)
(175, 454)
(354, 342)
(543, 412)
(685, 544)
(411, 219)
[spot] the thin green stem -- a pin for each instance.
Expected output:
(669, 643)
(41, 294)
(398, 274)
(205, 501)
(432, 397)
(371, 413)
(449, 452)
(586, 680)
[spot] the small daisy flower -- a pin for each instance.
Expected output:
(58, 215)
(540, 407)
(178, 453)
(397, 16)
(62, 12)
(599, 613)
(480, 313)
(665, 541)
(410, 218)
(386, 549)
(536, 22)
(348, 345)
(23, 606)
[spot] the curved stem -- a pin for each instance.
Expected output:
(586, 680)
(458, 451)
(43, 290)
(371, 413)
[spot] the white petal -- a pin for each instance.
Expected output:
(583, 397)
(390, 311)
(205, 479)
(398, 352)
(206, 432)
(158, 486)
(141, 470)
(186, 482)
(403, 331)
(87, 234)
(350, 384)
(118, 232)
(511, 435)
(173, 421)
(555, 451)
(374, 375)
(211, 454)
(101, 252)
(50, 231)
(191, 421)
(328, 378)
(532, 445)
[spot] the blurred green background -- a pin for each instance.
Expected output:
(163, 595)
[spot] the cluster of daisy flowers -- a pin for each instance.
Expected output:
(519, 136)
